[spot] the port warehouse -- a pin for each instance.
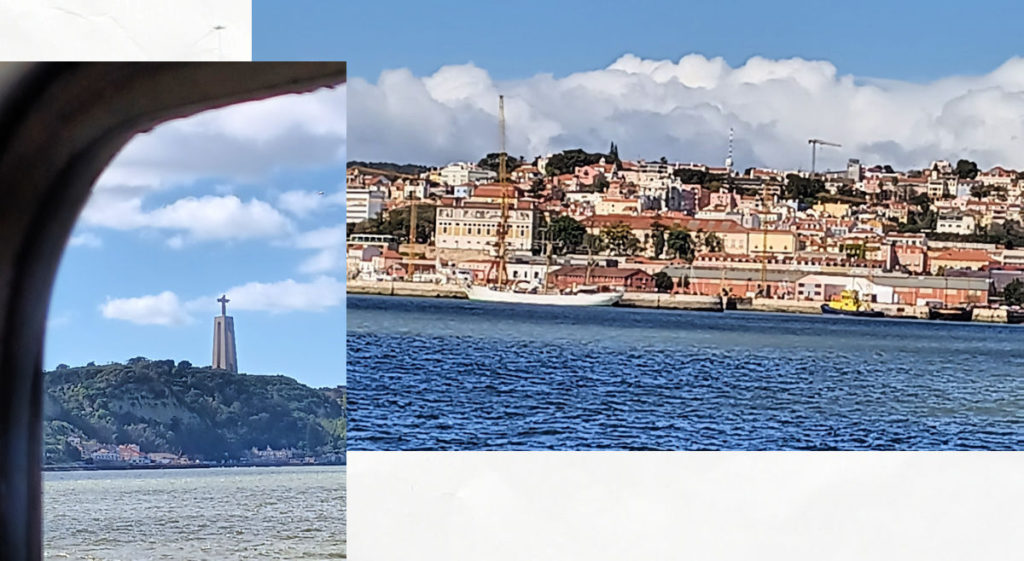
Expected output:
(799, 285)
(704, 277)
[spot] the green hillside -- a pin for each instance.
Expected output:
(203, 413)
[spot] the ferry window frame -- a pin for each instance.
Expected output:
(61, 124)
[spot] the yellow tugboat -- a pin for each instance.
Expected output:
(850, 304)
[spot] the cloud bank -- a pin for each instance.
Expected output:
(168, 309)
(683, 110)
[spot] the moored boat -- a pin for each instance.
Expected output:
(958, 313)
(850, 304)
(580, 298)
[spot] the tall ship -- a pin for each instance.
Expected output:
(506, 291)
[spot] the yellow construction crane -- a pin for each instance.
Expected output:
(815, 142)
(412, 233)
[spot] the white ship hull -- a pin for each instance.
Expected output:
(488, 294)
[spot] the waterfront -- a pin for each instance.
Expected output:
(206, 514)
(458, 375)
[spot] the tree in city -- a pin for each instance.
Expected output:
(658, 238)
(980, 191)
(680, 244)
(600, 184)
(566, 234)
(492, 162)
(966, 169)
(593, 243)
(537, 187)
(663, 282)
(619, 239)
(712, 243)
(1013, 293)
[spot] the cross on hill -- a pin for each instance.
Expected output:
(223, 304)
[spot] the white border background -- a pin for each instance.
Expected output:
(685, 505)
(44, 30)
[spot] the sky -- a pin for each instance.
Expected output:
(895, 83)
(226, 201)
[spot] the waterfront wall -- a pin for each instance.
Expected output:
(693, 302)
(989, 315)
(402, 288)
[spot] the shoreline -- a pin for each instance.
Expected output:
(684, 302)
(67, 468)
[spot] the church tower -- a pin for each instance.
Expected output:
(224, 357)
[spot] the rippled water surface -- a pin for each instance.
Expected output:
(457, 375)
(201, 514)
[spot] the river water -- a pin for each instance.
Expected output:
(197, 514)
(458, 375)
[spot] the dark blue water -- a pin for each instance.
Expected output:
(456, 375)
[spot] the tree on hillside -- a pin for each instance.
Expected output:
(966, 169)
(691, 176)
(493, 160)
(568, 160)
(658, 238)
(803, 189)
(1013, 293)
(619, 239)
(613, 154)
(680, 244)
(566, 234)
(600, 185)
(663, 282)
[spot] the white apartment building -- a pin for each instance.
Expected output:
(474, 226)
(363, 204)
(460, 173)
(955, 224)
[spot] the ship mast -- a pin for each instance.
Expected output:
(502, 230)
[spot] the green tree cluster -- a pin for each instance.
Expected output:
(204, 413)
(492, 162)
(567, 161)
(397, 224)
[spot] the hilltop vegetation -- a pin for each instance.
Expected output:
(203, 413)
(404, 169)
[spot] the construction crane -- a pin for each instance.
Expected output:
(814, 142)
(412, 234)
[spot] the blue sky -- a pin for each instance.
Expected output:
(901, 40)
(225, 201)
(898, 83)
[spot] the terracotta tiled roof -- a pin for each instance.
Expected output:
(964, 255)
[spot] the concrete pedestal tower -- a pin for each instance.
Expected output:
(224, 357)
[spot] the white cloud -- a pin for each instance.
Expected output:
(329, 244)
(241, 142)
(193, 219)
(684, 109)
(158, 309)
(85, 239)
(279, 297)
(303, 203)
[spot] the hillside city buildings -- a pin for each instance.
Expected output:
(904, 236)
